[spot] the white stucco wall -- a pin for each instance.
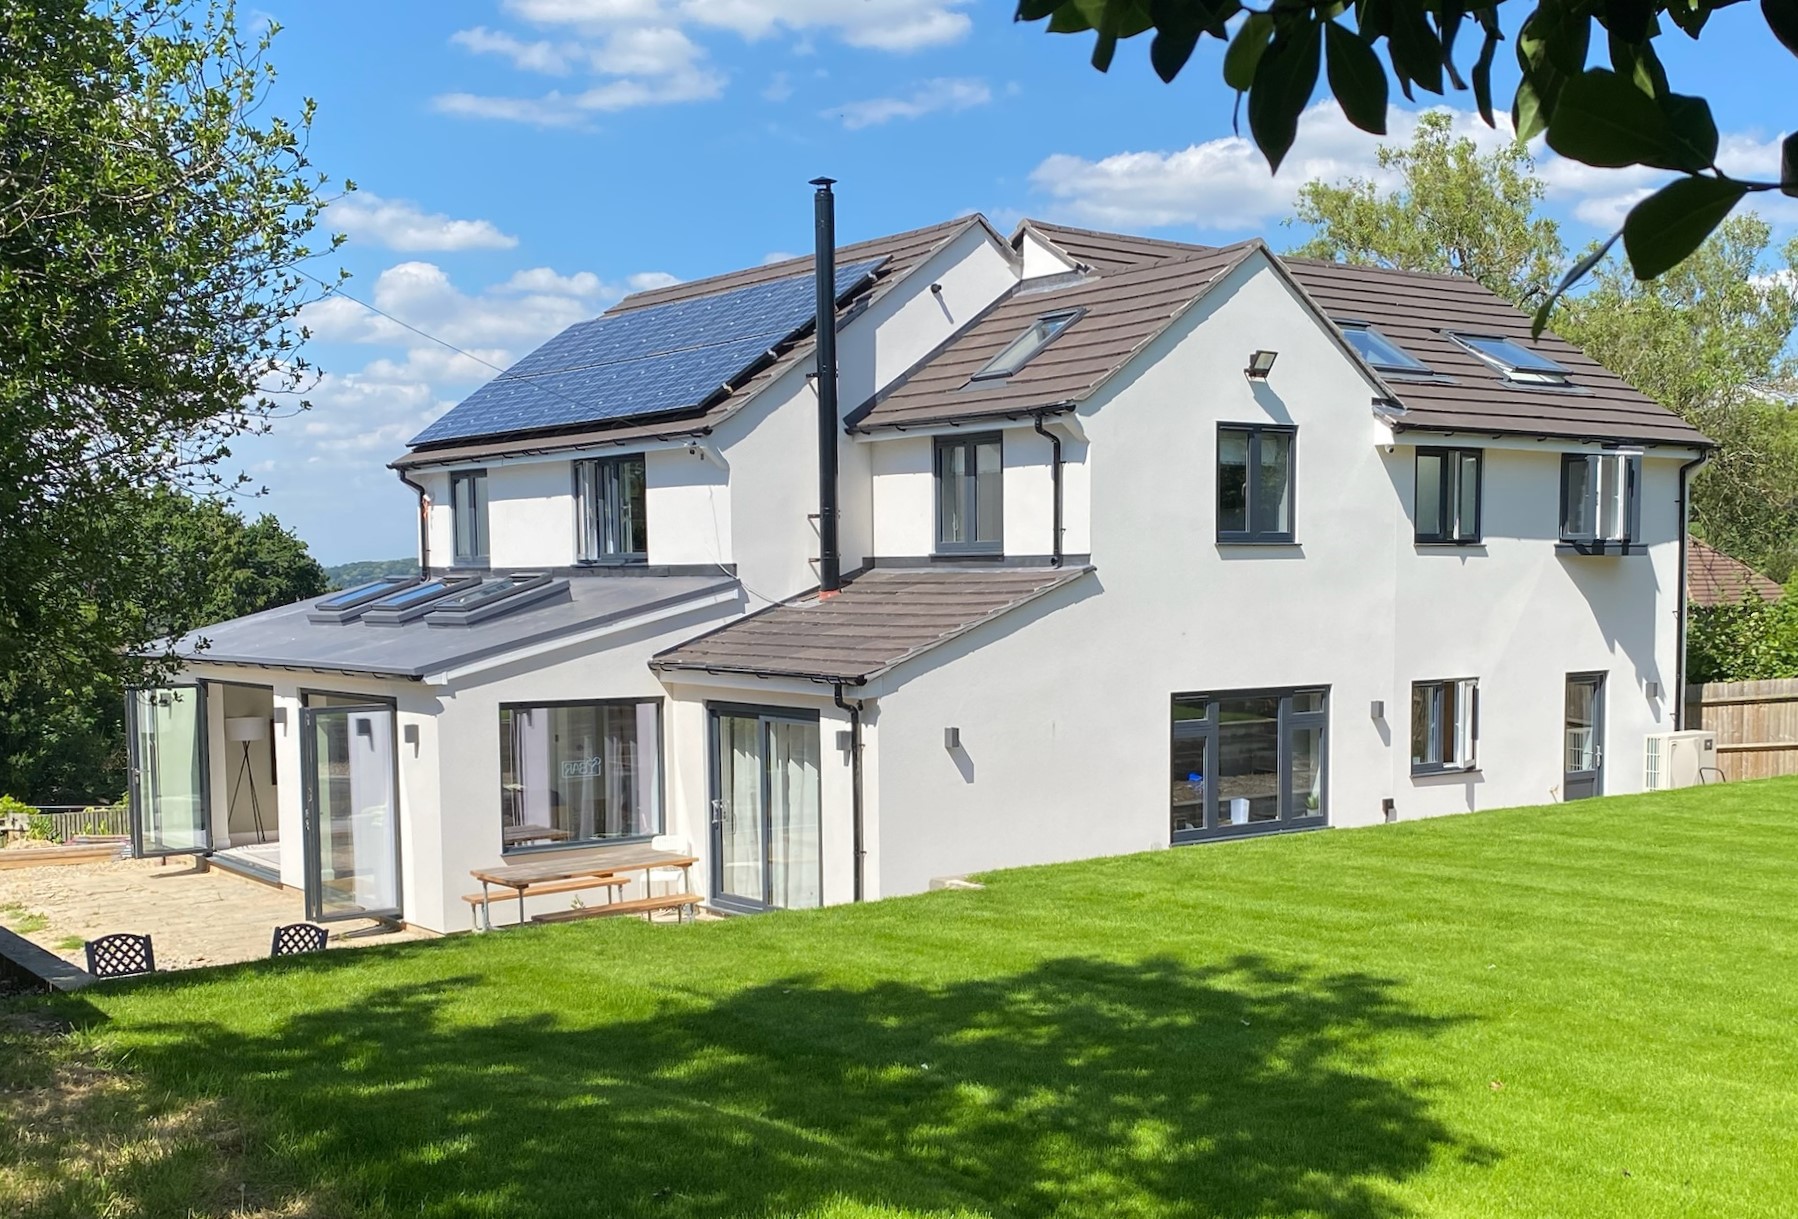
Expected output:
(687, 499)
(1063, 706)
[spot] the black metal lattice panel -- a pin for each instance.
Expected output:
(120, 955)
(296, 938)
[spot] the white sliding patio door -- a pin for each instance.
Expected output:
(765, 810)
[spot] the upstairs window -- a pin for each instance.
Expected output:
(1448, 495)
(970, 494)
(1380, 352)
(1254, 483)
(1517, 362)
(1038, 335)
(610, 510)
(468, 515)
(1601, 500)
(1444, 725)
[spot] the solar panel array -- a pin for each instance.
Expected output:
(641, 362)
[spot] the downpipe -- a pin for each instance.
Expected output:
(858, 836)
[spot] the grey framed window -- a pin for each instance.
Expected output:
(1601, 501)
(1038, 335)
(1249, 762)
(1445, 725)
(468, 515)
(970, 494)
(1447, 504)
(575, 772)
(1255, 482)
(612, 523)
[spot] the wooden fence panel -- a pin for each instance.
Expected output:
(1756, 723)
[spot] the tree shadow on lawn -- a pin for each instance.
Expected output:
(1075, 1087)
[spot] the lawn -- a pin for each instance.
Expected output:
(1584, 1010)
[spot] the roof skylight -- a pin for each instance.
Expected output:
(1513, 359)
(1038, 335)
(1379, 351)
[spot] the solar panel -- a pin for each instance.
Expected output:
(641, 362)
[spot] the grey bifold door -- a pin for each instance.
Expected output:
(1583, 736)
(165, 729)
(351, 812)
(765, 816)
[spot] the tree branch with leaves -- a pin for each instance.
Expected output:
(1616, 116)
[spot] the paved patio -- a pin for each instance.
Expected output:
(196, 918)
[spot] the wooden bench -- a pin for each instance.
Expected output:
(639, 905)
(573, 885)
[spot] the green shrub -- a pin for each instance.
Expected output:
(11, 806)
(1753, 640)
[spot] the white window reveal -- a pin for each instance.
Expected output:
(1038, 335)
(1517, 362)
(610, 506)
(1601, 501)
(1444, 725)
(468, 515)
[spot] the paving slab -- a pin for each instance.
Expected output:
(195, 917)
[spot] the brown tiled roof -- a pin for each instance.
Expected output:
(1413, 309)
(1714, 578)
(1122, 313)
(902, 252)
(881, 618)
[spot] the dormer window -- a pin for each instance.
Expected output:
(1517, 362)
(1380, 352)
(610, 502)
(1038, 335)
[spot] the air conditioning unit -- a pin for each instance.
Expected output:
(1679, 759)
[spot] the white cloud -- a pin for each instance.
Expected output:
(1224, 184)
(778, 89)
(550, 58)
(402, 225)
(644, 53)
(928, 97)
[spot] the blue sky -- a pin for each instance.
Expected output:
(524, 163)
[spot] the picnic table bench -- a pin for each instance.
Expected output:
(608, 868)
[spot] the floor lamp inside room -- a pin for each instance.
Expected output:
(245, 729)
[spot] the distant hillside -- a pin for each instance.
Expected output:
(348, 575)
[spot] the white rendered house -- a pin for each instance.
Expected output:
(1139, 544)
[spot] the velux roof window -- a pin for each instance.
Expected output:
(1038, 335)
(1514, 360)
(1379, 351)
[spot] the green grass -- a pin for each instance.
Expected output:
(17, 917)
(1585, 1010)
(70, 943)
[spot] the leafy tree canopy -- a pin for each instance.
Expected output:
(193, 562)
(1626, 113)
(154, 220)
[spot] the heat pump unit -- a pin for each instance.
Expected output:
(1680, 759)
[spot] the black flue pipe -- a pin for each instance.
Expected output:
(824, 266)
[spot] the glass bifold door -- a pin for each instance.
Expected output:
(765, 815)
(351, 811)
(165, 731)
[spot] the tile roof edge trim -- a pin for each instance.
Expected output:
(1699, 443)
(1027, 226)
(925, 424)
(545, 445)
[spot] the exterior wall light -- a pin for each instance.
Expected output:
(951, 738)
(1260, 364)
